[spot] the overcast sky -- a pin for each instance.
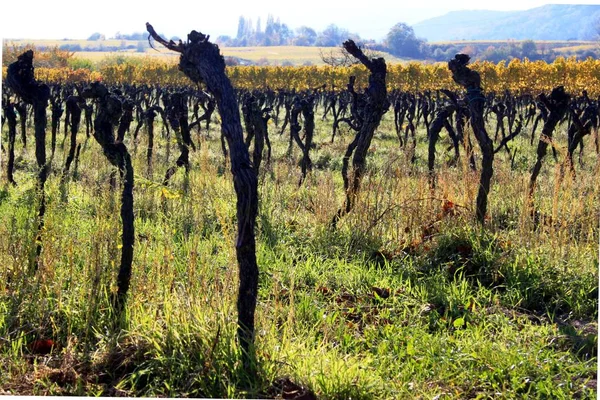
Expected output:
(372, 19)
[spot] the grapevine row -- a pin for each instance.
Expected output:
(518, 76)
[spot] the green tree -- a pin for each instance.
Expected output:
(332, 36)
(529, 49)
(277, 33)
(241, 31)
(141, 46)
(97, 36)
(401, 41)
(305, 36)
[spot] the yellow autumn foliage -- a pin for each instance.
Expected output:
(518, 76)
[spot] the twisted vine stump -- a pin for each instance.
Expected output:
(201, 61)
(471, 81)
(295, 126)
(20, 78)
(21, 108)
(581, 126)
(287, 104)
(126, 120)
(427, 108)
(176, 112)
(557, 105)
(455, 135)
(400, 108)
(410, 126)
(5, 102)
(308, 114)
(67, 94)
(73, 106)
(108, 113)
(256, 120)
(73, 110)
(543, 116)
(439, 122)
(338, 104)
(499, 110)
(208, 105)
(57, 112)
(150, 116)
(88, 112)
(11, 116)
(374, 103)
(304, 106)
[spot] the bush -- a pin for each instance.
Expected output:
(81, 63)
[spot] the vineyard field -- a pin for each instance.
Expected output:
(407, 294)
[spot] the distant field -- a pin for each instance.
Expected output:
(274, 55)
(575, 48)
(83, 43)
(565, 48)
(293, 54)
(551, 43)
(96, 56)
(296, 55)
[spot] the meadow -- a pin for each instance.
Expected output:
(272, 55)
(408, 298)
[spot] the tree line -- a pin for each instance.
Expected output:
(400, 41)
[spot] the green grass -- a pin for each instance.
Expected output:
(372, 310)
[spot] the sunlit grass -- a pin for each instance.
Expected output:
(372, 310)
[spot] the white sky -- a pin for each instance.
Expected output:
(372, 19)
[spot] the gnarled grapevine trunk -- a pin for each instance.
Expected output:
(440, 121)
(11, 116)
(580, 127)
(304, 106)
(201, 61)
(22, 110)
(256, 128)
(370, 111)
(471, 81)
(74, 110)
(109, 112)
(126, 119)
(557, 105)
(20, 79)
(176, 112)
(57, 112)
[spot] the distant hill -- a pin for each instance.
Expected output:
(549, 22)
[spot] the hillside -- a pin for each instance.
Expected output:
(549, 22)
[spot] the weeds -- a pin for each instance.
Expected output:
(407, 299)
